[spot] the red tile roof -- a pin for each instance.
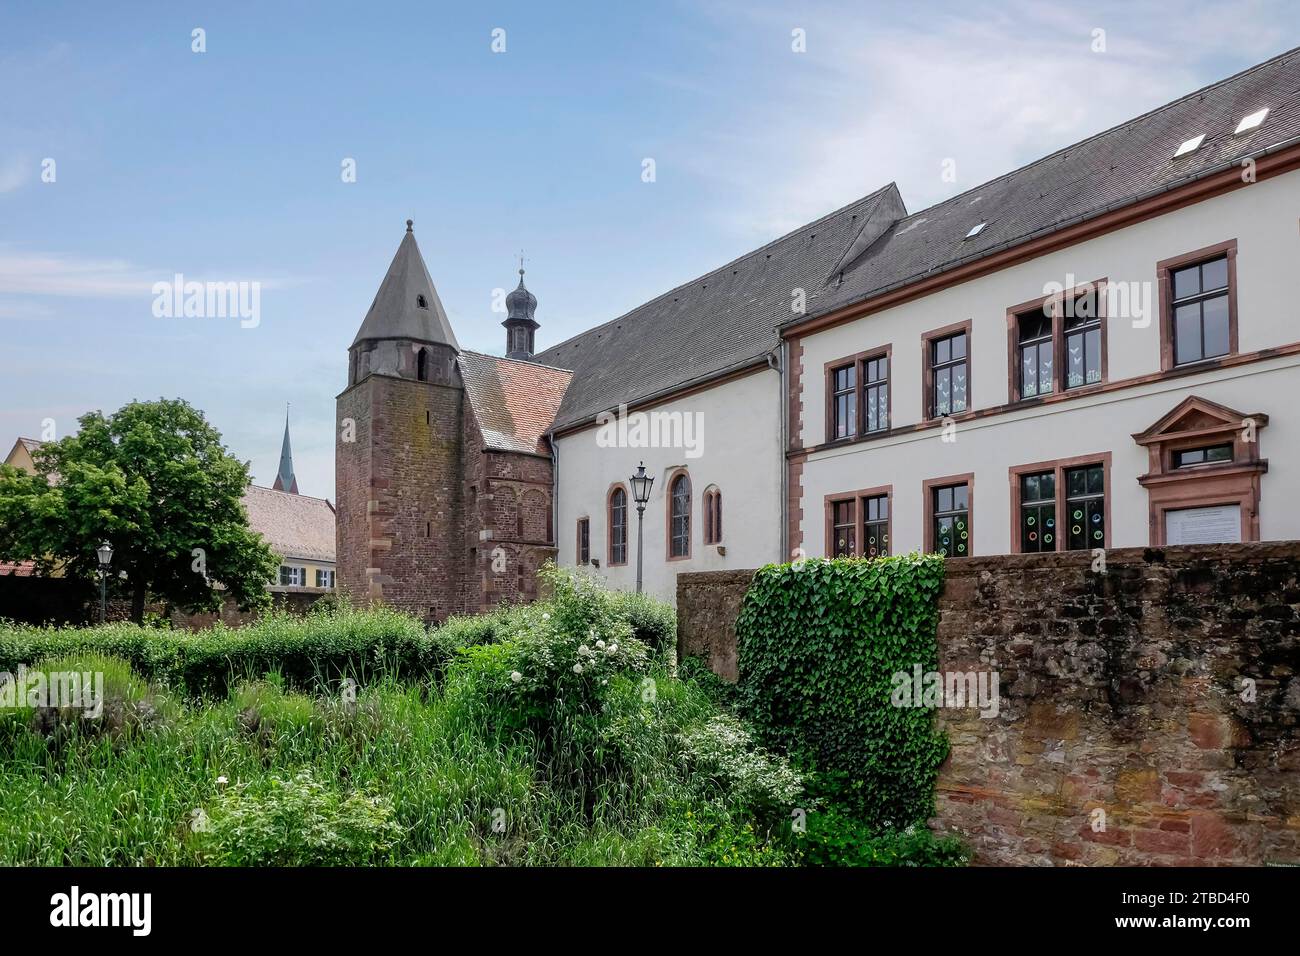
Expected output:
(295, 526)
(514, 402)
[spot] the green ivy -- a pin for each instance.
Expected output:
(818, 643)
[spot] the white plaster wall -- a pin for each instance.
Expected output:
(1262, 218)
(740, 454)
(991, 446)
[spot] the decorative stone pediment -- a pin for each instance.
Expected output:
(1195, 416)
(1204, 477)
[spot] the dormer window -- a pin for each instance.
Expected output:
(421, 302)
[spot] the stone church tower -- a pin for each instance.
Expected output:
(443, 469)
(398, 454)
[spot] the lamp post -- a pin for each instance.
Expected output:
(641, 483)
(105, 552)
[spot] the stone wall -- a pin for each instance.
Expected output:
(508, 506)
(707, 605)
(1147, 714)
(399, 486)
(60, 601)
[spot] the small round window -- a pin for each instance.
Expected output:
(421, 301)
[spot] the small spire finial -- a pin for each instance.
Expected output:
(409, 224)
(521, 265)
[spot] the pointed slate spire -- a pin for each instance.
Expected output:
(285, 480)
(407, 305)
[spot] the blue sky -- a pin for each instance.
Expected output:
(226, 165)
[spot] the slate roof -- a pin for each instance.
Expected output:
(724, 319)
(728, 318)
(394, 313)
(1107, 171)
(295, 526)
(285, 480)
(514, 402)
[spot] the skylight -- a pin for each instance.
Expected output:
(976, 230)
(1251, 121)
(1189, 145)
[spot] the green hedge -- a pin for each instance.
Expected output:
(304, 649)
(818, 643)
(328, 644)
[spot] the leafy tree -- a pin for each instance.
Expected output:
(154, 480)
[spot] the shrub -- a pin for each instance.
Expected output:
(89, 695)
(834, 838)
(296, 821)
(307, 650)
(654, 623)
(818, 644)
(722, 749)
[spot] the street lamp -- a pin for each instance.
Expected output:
(105, 552)
(641, 483)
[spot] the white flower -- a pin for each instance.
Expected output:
(601, 645)
(222, 781)
(584, 649)
(546, 615)
(612, 649)
(516, 676)
(577, 668)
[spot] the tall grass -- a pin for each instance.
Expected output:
(557, 733)
(482, 745)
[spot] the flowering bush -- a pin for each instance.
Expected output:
(722, 750)
(295, 821)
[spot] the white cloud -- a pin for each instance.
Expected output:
(879, 97)
(52, 274)
(37, 274)
(13, 173)
(22, 311)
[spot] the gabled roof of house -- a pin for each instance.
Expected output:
(723, 320)
(728, 318)
(295, 526)
(1108, 171)
(514, 402)
(395, 312)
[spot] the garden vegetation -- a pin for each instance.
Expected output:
(557, 733)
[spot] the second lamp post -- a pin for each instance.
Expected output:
(641, 483)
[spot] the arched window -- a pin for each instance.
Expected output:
(617, 526)
(519, 339)
(422, 302)
(712, 516)
(679, 517)
(422, 365)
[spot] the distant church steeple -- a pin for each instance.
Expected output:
(285, 480)
(519, 322)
